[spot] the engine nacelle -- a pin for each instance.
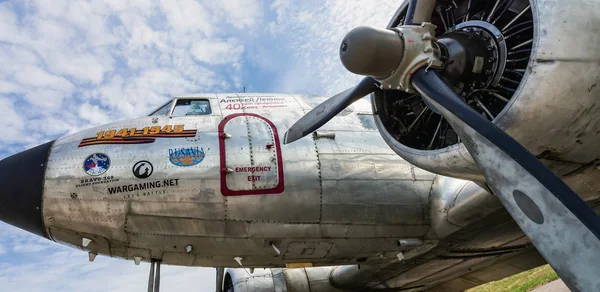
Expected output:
(279, 280)
(541, 88)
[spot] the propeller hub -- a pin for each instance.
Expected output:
(371, 51)
(391, 55)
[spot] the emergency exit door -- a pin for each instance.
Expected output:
(251, 162)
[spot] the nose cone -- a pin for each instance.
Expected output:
(372, 51)
(21, 188)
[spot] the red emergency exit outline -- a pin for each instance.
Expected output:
(225, 191)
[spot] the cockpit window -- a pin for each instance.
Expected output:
(163, 111)
(192, 107)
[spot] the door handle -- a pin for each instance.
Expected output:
(324, 134)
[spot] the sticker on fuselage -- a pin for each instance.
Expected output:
(186, 156)
(138, 136)
(92, 181)
(96, 164)
(148, 188)
(253, 102)
(142, 169)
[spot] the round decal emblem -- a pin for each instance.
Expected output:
(96, 164)
(142, 169)
(186, 156)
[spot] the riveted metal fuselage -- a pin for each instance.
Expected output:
(224, 185)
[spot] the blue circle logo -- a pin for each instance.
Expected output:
(96, 164)
(186, 156)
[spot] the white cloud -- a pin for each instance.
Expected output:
(217, 52)
(59, 268)
(129, 56)
(188, 15)
(29, 248)
(93, 114)
(314, 30)
(2, 250)
(8, 27)
(35, 77)
(11, 122)
(240, 13)
(83, 66)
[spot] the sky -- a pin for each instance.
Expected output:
(69, 65)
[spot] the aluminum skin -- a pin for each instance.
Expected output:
(236, 190)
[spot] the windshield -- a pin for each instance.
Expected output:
(163, 111)
(192, 107)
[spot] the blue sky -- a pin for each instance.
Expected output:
(69, 65)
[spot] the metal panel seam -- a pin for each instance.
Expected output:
(320, 179)
(43, 192)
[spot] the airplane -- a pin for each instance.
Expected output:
(207, 179)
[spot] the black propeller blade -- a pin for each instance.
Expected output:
(419, 11)
(558, 222)
(324, 112)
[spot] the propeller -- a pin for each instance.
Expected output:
(557, 221)
(321, 114)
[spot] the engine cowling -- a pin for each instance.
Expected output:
(279, 280)
(537, 81)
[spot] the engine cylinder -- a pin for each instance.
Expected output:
(542, 88)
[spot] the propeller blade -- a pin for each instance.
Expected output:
(324, 112)
(556, 220)
(419, 11)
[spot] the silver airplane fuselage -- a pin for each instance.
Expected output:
(205, 188)
(206, 181)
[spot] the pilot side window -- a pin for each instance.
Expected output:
(192, 107)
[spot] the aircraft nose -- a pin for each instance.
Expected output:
(21, 188)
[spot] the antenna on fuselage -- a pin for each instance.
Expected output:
(244, 90)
